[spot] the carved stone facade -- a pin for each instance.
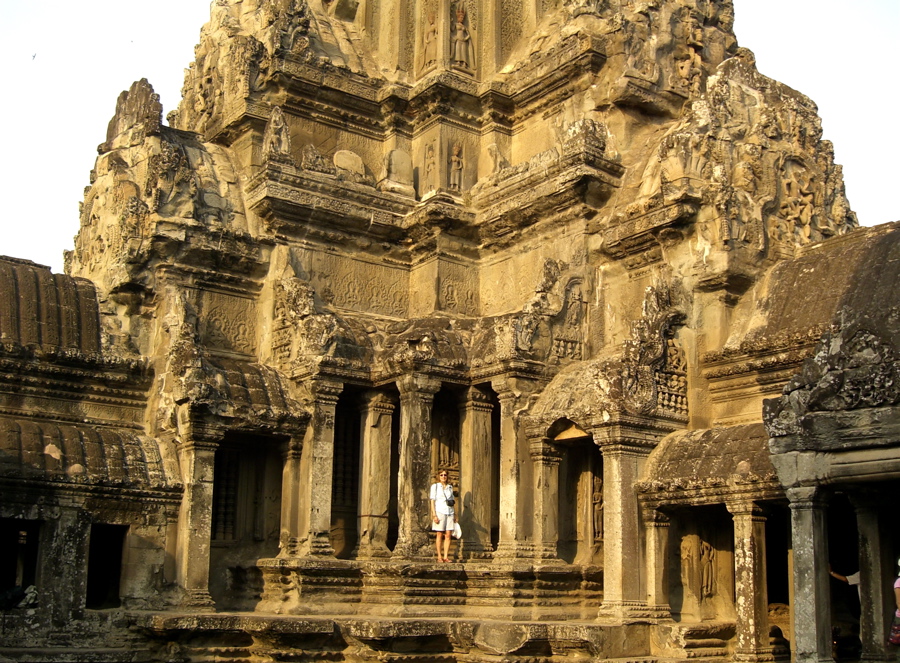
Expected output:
(564, 250)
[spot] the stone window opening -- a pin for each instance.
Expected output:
(580, 537)
(445, 449)
(445, 435)
(241, 490)
(246, 516)
(107, 543)
(495, 471)
(393, 532)
(18, 553)
(346, 475)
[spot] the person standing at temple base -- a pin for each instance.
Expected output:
(443, 517)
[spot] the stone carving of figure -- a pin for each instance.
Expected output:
(573, 308)
(430, 162)
(707, 570)
(498, 162)
(462, 42)
(597, 506)
(744, 219)
(277, 139)
(689, 563)
(456, 168)
(797, 207)
(745, 187)
(636, 45)
(430, 41)
(525, 325)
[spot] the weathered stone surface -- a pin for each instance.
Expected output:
(562, 251)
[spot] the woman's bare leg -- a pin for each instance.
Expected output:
(447, 537)
(437, 545)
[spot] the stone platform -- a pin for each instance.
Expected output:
(511, 590)
(252, 637)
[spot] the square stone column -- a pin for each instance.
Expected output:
(875, 586)
(416, 398)
(196, 455)
(656, 529)
(812, 595)
(622, 550)
(546, 457)
(63, 562)
(291, 489)
(316, 470)
(751, 598)
(476, 480)
(375, 468)
(515, 464)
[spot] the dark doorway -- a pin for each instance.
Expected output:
(496, 422)
(778, 543)
(18, 553)
(843, 556)
(345, 474)
(581, 503)
(246, 516)
(393, 507)
(445, 434)
(105, 566)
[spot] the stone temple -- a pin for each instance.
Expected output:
(580, 253)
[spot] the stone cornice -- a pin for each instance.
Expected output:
(292, 199)
(72, 364)
(56, 489)
(655, 494)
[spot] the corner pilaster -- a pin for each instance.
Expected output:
(812, 613)
(475, 473)
(515, 467)
(196, 455)
(751, 598)
(546, 457)
(656, 528)
(416, 398)
(375, 465)
(874, 584)
(291, 505)
(622, 587)
(316, 469)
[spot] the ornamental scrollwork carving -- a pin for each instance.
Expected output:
(648, 351)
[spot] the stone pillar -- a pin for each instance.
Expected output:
(622, 554)
(656, 528)
(476, 480)
(316, 470)
(375, 468)
(63, 586)
(416, 397)
(812, 598)
(875, 588)
(196, 455)
(546, 457)
(751, 598)
(513, 471)
(291, 504)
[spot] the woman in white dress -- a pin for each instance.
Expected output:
(443, 517)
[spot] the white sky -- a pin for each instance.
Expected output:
(63, 65)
